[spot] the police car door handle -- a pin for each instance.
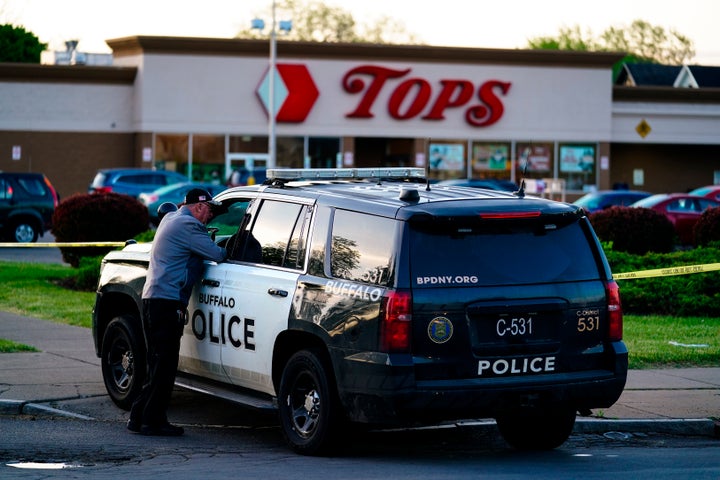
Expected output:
(277, 292)
(210, 283)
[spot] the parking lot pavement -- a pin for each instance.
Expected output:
(64, 377)
(33, 254)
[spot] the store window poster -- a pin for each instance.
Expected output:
(447, 156)
(577, 158)
(491, 157)
(534, 157)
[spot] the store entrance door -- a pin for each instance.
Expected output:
(245, 168)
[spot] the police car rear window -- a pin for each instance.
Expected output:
(502, 256)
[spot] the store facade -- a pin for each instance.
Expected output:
(199, 106)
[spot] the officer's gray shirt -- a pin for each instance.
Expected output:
(176, 256)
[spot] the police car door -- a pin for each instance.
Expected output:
(262, 284)
(209, 312)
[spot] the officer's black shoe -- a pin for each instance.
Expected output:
(166, 430)
(133, 426)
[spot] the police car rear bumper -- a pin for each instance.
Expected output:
(390, 394)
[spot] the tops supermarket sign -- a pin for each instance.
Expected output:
(409, 96)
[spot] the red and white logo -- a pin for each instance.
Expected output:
(295, 92)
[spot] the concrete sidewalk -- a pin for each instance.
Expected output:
(64, 378)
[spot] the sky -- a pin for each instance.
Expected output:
(463, 23)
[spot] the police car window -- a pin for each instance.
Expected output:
(5, 192)
(229, 217)
(362, 247)
(273, 229)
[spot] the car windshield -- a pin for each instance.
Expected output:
(650, 201)
(591, 200)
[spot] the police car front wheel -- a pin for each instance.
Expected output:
(123, 360)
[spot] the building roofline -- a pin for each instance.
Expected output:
(666, 94)
(136, 45)
(34, 72)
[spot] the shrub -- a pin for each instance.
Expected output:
(107, 217)
(696, 294)
(707, 229)
(634, 230)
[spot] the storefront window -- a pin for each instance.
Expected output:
(534, 165)
(247, 144)
(577, 166)
(171, 152)
(446, 160)
(323, 151)
(290, 152)
(208, 158)
(491, 160)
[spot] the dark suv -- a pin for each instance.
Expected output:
(133, 181)
(27, 203)
(366, 296)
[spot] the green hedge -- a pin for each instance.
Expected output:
(696, 294)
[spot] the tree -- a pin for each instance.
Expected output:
(641, 41)
(19, 45)
(314, 21)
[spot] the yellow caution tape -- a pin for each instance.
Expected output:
(667, 272)
(62, 244)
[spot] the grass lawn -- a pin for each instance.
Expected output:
(36, 290)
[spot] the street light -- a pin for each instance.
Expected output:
(286, 26)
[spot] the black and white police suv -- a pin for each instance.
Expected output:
(370, 296)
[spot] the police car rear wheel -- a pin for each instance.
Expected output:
(308, 406)
(537, 429)
(123, 361)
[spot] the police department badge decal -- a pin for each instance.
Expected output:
(440, 329)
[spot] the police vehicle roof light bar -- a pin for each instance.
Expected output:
(343, 173)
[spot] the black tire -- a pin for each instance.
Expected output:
(537, 429)
(308, 405)
(123, 360)
(24, 231)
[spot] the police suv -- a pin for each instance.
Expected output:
(370, 296)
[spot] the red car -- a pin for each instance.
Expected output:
(709, 191)
(683, 210)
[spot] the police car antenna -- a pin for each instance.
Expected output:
(521, 192)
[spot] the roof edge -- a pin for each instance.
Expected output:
(34, 72)
(666, 94)
(136, 45)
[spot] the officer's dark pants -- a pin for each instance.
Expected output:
(163, 329)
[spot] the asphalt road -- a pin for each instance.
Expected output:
(91, 449)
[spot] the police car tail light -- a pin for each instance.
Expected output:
(396, 322)
(615, 317)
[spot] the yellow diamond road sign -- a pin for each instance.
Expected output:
(643, 128)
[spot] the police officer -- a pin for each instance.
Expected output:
(176, 261)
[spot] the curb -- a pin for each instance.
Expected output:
(704, 427)
(20, 407)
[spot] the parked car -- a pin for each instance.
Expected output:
(489, 183)
(709, 191)
(133, 181)
(174, 194)
(683, 211)
(361, 295)
(27, 204)
(602, 199)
